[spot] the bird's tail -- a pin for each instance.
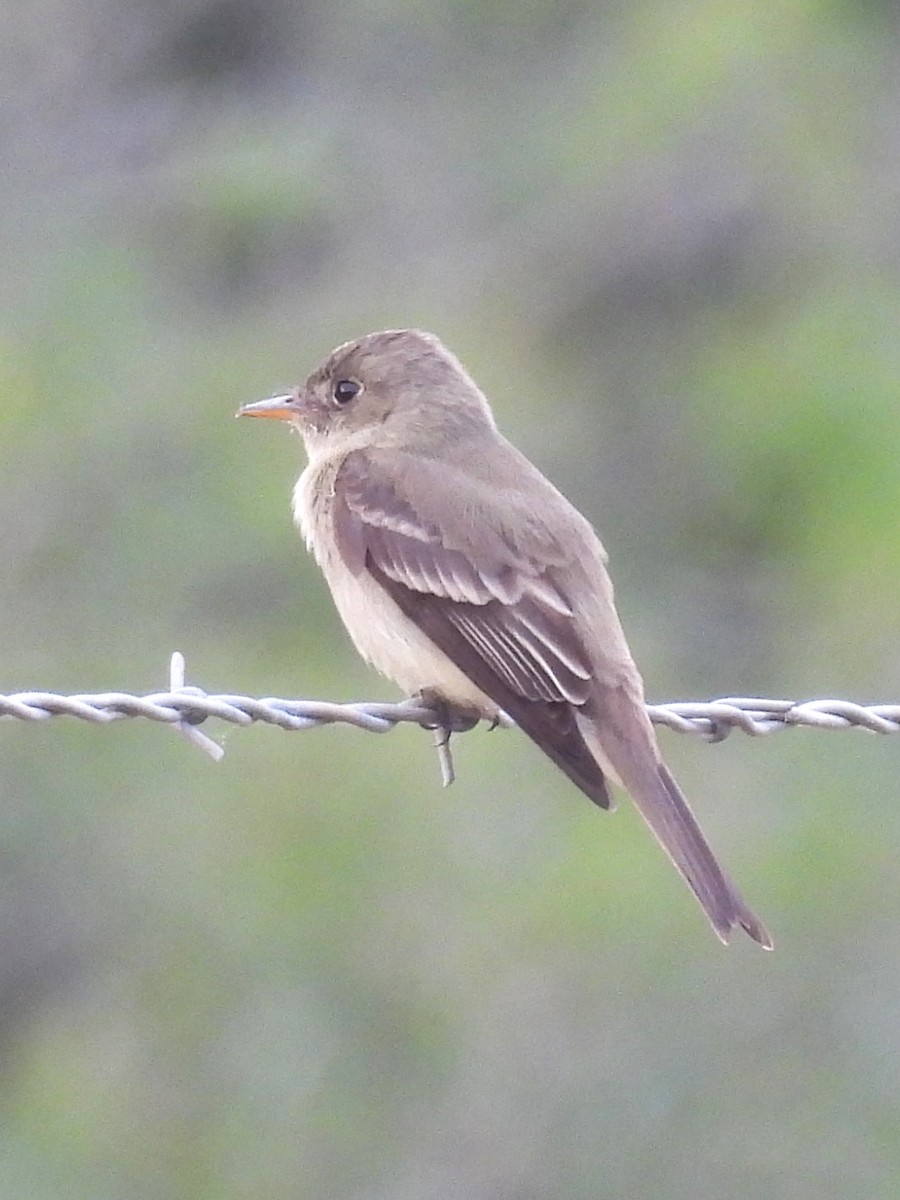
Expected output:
(621, 736)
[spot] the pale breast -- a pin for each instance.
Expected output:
(381, 632)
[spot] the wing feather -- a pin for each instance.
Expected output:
(499, 616)
(508, 609)
(509, 670)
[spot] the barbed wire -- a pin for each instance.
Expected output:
(186, 707)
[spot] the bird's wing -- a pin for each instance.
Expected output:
(496, 613)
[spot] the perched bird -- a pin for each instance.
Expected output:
(463, 575)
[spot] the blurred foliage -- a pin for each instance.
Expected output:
(663, 236)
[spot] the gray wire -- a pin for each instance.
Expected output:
(186, 707)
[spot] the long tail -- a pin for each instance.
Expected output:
(621, 737)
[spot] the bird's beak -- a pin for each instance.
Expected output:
(282, 408)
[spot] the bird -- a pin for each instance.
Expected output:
(463, 575)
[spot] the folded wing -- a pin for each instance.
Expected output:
(496, 613)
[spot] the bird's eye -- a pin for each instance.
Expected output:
(345, 390)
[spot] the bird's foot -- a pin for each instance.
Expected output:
(449, 717)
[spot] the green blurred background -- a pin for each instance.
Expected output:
(664, 237)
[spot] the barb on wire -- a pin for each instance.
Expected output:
(187, 707)
(188, 723)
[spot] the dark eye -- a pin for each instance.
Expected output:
(345, 390)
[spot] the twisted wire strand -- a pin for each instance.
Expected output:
(186, 707)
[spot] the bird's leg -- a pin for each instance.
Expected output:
(445, 758)
(450, 720)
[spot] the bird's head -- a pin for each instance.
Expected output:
(399, 388)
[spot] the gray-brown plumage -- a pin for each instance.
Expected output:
(461, 572)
